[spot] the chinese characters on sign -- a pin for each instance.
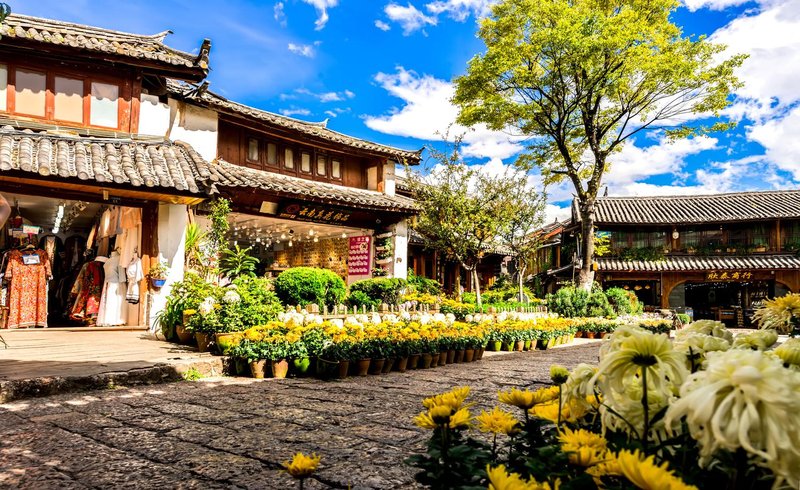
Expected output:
(360, 257)
(314, 212)
(729, 275)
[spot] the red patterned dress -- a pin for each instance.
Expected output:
(27, 302)
(87, 290)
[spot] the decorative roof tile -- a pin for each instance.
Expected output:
(231, 175)
(714, 208)
(152, 164)
(200, 95)
(695, 263)
(136, 46)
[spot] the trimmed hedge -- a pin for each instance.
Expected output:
(307, 285)
(382, 290)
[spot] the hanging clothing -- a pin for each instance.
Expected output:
(87, 290)
(29, 273)
(128, 243)
(130, 218)
(74, 247)
(112, 300)
(134, 273)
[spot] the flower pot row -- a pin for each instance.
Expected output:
(526, 345)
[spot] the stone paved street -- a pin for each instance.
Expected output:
(229, 433)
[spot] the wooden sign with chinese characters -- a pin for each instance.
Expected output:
(733, 275)
(319, 213)
(360, 257)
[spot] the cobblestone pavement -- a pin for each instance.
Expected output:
(230, 433)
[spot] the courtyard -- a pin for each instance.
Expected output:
(235, 432)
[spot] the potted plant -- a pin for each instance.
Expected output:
(158, 274)
(276, 350)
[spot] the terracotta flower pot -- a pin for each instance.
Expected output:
(579, 334)
(519, 345)
(362, 366)
(203, 341)
(469, 355)
(301, 365)
(280, 368)
(401, 365)
(450, 355)
(184, 336)
(459, 356)
(376, 366)
(479, 354)
(534, 344)
(425, 361)
(495, 345)
(589, 335)
(551, 343)
(258, 368)
(387, 366)
(603, 335)
(541, 344)
(443, 357)
(413, 361)
(344, 366)
(435, 359)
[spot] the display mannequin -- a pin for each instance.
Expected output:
(112, 302)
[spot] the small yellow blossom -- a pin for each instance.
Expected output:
(646, 474)
(527, 399)
(497, 421)
(573, 439)
(302, 466)
(500, 479)
(440, 413)
(460, 419)
(453, 398)
(559, 374)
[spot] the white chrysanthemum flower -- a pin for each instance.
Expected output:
(744, 399)
(338, 322)
(207, 306)
(450, 318)
(623, 411)
(757, 340)
(231, 296)
(706, 327)
(351, 320)
(578, 386)
(695, 345)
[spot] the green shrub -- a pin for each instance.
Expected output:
(469, 298)
(684, 318)
(598, 305)
(383, 290)
(258, 304)
(359, 299)
(306, 285)
(569, 302)
(423, 285)
(624, 302)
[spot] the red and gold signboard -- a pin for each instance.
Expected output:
(734, 275)
(359, 261)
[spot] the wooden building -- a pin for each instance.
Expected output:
(717, 255)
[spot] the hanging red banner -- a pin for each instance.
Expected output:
(359, 262)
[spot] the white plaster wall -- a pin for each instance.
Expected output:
(400, 263)
(172, 221)
(154, 116)
(194, 125)
(389, 178)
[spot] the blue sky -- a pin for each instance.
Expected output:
(381, 70)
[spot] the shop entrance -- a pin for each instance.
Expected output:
(70, 263)
(730, 302)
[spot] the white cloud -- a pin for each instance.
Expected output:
(331, 114)
(428, 113)
(779, 137)
(460, 10)
(382, 25)
(279, 14)
(409, 17)
(295, 111)
(321, 7)
(322, 97)
(306, 50)
(694, 5)
(553, 212)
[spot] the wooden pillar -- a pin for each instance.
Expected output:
(778, 240)
(149, 251)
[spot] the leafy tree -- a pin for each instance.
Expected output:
(237, 262)
(581, 77)
(458, 213)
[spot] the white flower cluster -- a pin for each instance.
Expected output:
(207, 306)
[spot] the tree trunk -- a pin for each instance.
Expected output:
(458, 286)
(586, 273)
(477, 285)
(521, 278)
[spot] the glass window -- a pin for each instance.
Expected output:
(321, 163)
(272, 154)
(30, 92)
(252, 149)
(105, 104)
(305, 162)
(336, 169)
(690, 238)
(288, 158)
(3, 87)
(68, 99)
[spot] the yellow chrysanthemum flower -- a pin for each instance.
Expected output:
(789, 352)
(500, 479)
(585, 456)
(608, 467)
(461, 419)
(573, 439)
(424, 421)
(440, 413)
(453, 398)
(758, 340)
(497, 421)
(646, 474)
(302, 466)
(559, 374)
(527, 399)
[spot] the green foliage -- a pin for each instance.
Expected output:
(193, 246)
(258, 304)
(569, 302)
(382, 290)
(684, 318)
(192, 374)
(624, 302)
(359, 299)
(184, 295)
(306, 285)
(646, 254)
(238, 262)
(218, 237)
(582, 77)
(423, 285)
(598, 304)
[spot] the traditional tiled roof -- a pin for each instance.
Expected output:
(149, 164)
(202, 96)
(714, 208)
(695, 263)
(231, 175)
(35, 30)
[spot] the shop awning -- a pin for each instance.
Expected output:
(231, 175)
(155, 164)
(695, 263)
